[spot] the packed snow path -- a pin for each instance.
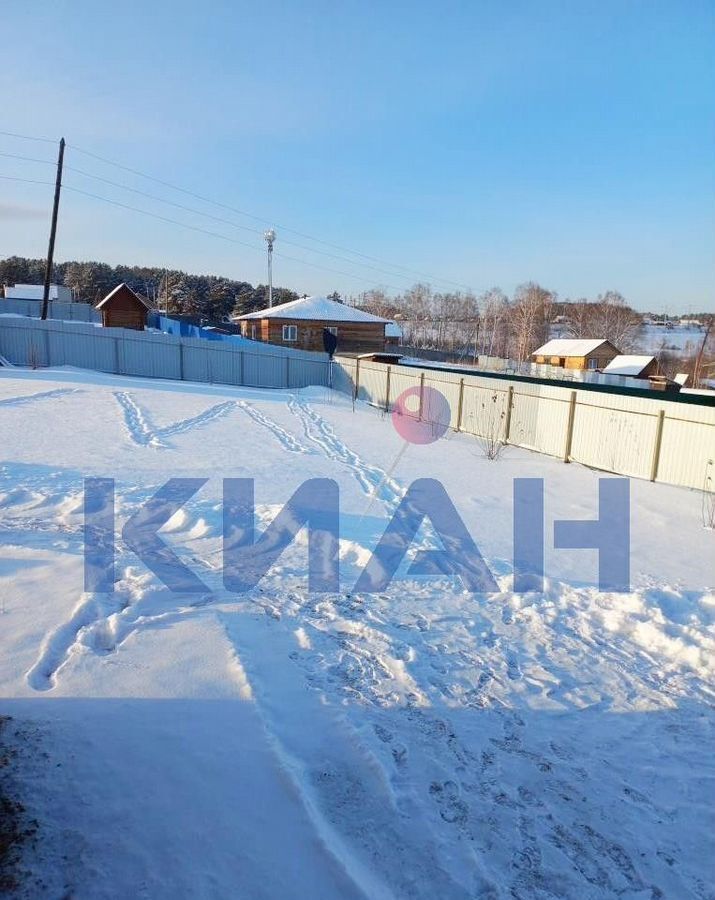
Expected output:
(421, 742)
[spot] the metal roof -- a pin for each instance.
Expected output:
(317, 308)
(570, 347)
(628, 365)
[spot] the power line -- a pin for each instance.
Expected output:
(29, 137)
(262, 219)
(34, 159)
(196, 228)
(206, 215)
(25, 180)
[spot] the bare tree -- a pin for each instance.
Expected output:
(494, 331)
(530, 319)
(608, 317)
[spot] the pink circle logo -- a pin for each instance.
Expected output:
(421, 416)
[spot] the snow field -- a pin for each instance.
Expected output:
(421, 742)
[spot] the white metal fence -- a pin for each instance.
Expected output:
(665, 440)
(121, 351)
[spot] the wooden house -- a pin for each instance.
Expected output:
(300, 324)
(123, 308)
(576, 353)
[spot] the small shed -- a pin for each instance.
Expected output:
(576, 353)
(633, 366)
(300, 324)
(123, 308)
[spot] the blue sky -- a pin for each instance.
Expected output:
(482, 142)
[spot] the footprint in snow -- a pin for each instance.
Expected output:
(451, 808)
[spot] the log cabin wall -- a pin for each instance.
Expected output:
(352, 336)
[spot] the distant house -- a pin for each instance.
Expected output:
(36, 292)
(633, 366)
(122, 308)
(300, 323)
(576, 353)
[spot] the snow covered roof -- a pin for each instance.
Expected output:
(118, 288)
(569, 347)
(320, 308)
(628, 365)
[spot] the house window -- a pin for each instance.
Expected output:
(592, 363)
(290, 332)
(333, 329)
(253, 331)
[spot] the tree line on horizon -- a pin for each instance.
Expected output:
(209, 297)
(489, 324)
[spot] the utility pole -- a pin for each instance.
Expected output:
(270, 236)
(699, 358)
(53, 231)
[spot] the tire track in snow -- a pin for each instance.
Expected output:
(285, 438)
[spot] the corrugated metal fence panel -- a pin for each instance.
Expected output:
(613, 432)
(687, 445)
(618, 437)
(344, 373)
(21, 345)
(73, 312)
(83, 346)
(402, 379)
(539, 417)
(483, 409)
(433, 411)
(372, 386)
(29, 341)
(147, 355)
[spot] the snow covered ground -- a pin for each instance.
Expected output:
(421, 742)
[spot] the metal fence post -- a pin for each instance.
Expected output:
(658, 443)
(422, 395)
(357, 378)
(181, 359)
(460, 405)
(387, 389)
(48, 361)
(509, 404)
(569, 427)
